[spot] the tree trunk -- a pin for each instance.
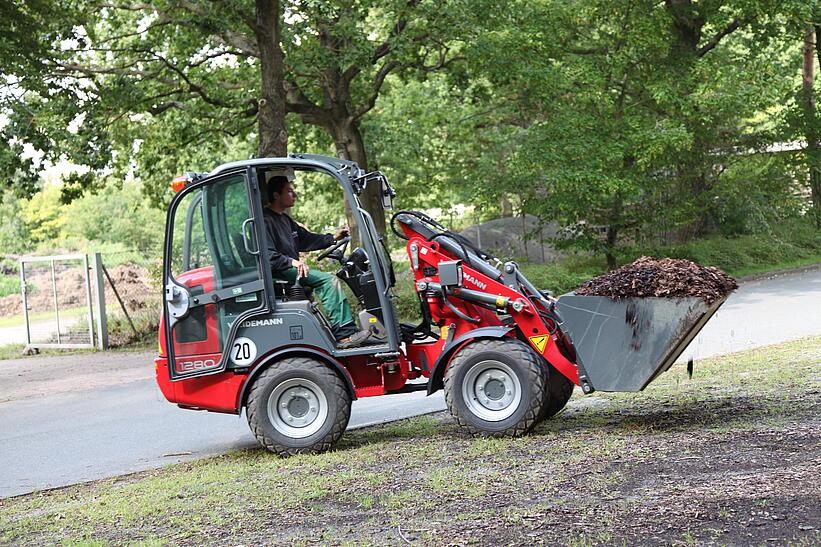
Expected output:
(350, 146)
(273, 135)
(612, 240)
(811, 130)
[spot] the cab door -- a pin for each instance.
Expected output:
(215, 272)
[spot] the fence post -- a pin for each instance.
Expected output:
(25, 301)
(99, 283)
(87, 277)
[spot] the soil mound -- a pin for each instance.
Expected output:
(664, 277)
(132, 281)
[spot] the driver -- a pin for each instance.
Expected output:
(286, 239)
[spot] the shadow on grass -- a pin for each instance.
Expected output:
(619, 416)
(672, 415)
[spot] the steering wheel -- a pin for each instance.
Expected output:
(331, 252)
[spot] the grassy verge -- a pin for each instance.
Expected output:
(9, 285)
(20, 320)
(715, 458)
(788, 247)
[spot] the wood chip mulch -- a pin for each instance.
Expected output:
(662, 277)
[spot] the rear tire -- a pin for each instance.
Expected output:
(558, 392)
(298, 406)
(496, 387)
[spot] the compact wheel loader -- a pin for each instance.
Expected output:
(506, 353)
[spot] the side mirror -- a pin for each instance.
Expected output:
(387, 194)
(385, 191)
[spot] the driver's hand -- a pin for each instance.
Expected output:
(342, 232)
(302, 269)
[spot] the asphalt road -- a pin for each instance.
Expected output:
(68, 419)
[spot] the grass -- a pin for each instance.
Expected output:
(9, 285)
(789, 246)
(589, 465)
(19, 320)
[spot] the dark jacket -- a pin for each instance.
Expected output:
(286, 239)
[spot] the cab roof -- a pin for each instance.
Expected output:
(306, 160)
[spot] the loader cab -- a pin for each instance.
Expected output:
(222, 308)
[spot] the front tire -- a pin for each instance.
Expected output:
(496, 388)
(298, 406)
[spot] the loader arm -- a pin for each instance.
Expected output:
(482, 297)
(596, 342)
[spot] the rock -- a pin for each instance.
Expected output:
(504, 237)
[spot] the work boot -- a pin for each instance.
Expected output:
(344, 331)
(356, 339)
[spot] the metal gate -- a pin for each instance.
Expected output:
(57, 302)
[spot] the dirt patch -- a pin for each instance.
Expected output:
(132, 282)
(666, 277)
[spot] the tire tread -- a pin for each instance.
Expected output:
(339, 391)
(535, 383)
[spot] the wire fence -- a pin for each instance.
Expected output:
(56, 301)
(520, 237)
(52, 301)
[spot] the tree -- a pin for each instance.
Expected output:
(26, 38)
(206, 73)
(341, 53)
(809, 109)
(623, 117)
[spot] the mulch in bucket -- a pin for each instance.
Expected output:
(661, 277)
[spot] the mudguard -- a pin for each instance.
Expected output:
(295, 351)
(436, 381)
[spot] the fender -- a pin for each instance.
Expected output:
(437, 374)
(295, 351)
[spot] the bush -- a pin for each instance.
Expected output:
(9, 285)
(146, 322)
(116, 215)
(792, 243)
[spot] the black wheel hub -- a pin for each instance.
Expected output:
(298, 407)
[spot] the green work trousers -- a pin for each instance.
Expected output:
(328, 288)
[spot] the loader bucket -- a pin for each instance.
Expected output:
(624, 344)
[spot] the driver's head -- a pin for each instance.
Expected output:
(281, 193)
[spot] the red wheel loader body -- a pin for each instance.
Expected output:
(226, 320)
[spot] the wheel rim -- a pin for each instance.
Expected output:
(297, 408)
(491, 390)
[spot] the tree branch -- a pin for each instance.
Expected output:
(732, 27)
(387, 46)
(297, 102)
(378, 80)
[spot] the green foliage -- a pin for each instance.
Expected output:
(630, 124)
(116, 214)
(9, 285)
(15, 233)
(44, 215)
(145, 324)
